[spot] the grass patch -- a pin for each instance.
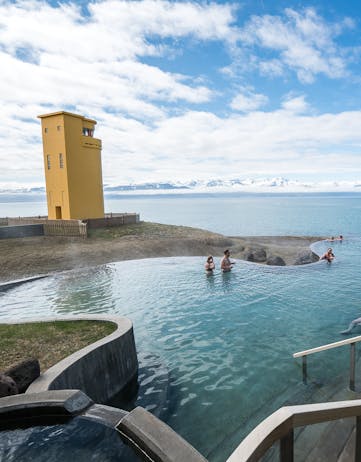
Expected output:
(145, 229)
(49, 342)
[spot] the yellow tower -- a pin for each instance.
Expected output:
(72, 162)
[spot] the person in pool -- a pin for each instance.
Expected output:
(354, 323)
(329, 256)
(209, 265)
(226, 264)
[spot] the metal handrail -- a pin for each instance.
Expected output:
(350, 341)
(280, 426)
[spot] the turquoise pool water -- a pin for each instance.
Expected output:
(78, 440)
(226, 340)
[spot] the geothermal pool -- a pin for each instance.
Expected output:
(215, 352)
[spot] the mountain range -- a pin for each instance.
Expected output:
(249, 185)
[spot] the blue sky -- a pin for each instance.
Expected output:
(186, 90)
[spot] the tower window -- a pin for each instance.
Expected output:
(58, 127)
(61, 161)
(48, 161)
(88, 131)
(45, 130)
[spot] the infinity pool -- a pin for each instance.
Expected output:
(226, 341)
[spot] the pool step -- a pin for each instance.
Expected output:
(330, 441)
(300, 394)
(327, 442)
(323, 442)
(315, 443)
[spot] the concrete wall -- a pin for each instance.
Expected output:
(101, 370)
(7, 232)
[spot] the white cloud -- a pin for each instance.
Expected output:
(114, 29)
(201, 145)
(302, 41)
(150, 119)
(272, 68)
(69, 56)
(248, 102)
(55, 58)
(295, 104)
(167, 19)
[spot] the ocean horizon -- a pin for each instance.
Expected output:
(231, 214)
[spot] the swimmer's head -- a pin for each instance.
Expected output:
(209, 259)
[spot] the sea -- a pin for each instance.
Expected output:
(231, 214)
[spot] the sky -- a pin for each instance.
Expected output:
(186, 90)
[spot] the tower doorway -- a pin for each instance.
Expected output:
(58, 212)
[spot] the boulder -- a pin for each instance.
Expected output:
(275, 260)
(256, 255)
(248, 256)
(7, 386)
(306, 257)
(24, 373)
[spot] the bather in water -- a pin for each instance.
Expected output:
(354, 323)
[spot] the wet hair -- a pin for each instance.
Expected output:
(226, 251)
(209, 258)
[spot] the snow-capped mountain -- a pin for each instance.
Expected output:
(276, 184)
(216, 185)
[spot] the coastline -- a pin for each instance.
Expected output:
(33, 256)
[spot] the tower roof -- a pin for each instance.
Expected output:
(51, 114)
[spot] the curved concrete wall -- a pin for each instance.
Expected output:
(101, 370)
